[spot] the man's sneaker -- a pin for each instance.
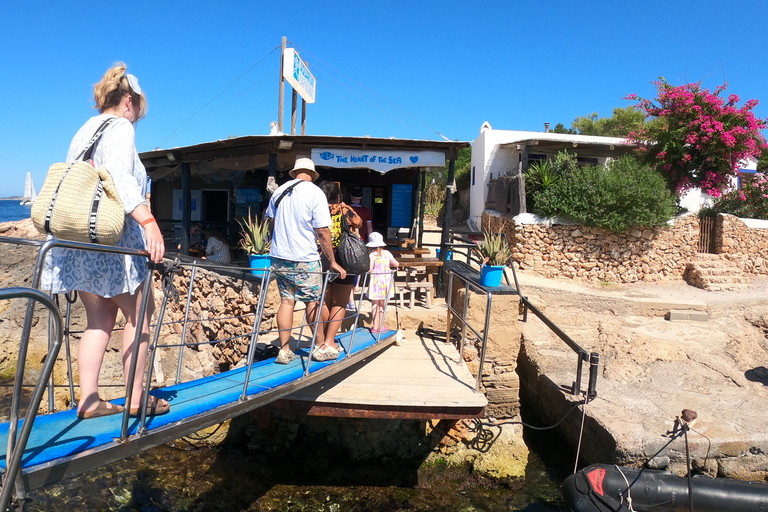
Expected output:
(285, 357)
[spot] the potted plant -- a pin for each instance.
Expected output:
(255, 242)
(494, 251)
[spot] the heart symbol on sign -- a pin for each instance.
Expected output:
(414, 159)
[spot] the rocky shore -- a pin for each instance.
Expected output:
(663, 348)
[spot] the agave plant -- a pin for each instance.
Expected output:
(254, 235)
(494, 249)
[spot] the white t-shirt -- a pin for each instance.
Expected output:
(303, 210)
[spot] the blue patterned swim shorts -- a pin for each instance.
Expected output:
(298, 280)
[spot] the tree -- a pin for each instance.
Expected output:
(696, 138)
(762, 162)
(620, 124)
(560, 128)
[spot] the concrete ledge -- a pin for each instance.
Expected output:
(677, 315)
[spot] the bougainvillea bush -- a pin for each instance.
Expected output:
(620, 195)
(750, 202)
(696, 137)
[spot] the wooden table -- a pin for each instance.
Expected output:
(420, 262)
(416, 251)
(401, 242)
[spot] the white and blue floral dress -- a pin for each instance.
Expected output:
(105, 274)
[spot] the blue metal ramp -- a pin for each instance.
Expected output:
(61, 445)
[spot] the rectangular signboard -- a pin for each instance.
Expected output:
(298, 75)
(378, 160)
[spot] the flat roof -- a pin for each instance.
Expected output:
(286, 147)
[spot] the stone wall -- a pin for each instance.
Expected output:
(500, 382)
(222, 308)
(746, 246)
(595, 254)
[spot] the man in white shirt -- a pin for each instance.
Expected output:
(301, 221)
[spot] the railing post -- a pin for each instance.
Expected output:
(594, 363)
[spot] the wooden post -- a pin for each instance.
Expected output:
(281, 95)
(303, 117)
(186, 206)
(422, 204)
(447, 217)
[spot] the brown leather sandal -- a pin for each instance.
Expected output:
(103, 409)
(154, 407)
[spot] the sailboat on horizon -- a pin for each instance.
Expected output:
(30, 194)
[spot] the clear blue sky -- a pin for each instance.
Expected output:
(386, 69)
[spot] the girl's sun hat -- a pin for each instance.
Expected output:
(375, 240)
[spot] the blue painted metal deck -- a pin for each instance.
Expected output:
(61, 438)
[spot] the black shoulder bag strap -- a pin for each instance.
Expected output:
(287, 191)
(83, 156)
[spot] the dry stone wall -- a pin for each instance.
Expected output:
(746, 246)
(221, 308)
(595, 254)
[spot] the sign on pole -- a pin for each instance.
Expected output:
(298, 75)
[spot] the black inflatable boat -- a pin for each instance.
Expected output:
(608, 488)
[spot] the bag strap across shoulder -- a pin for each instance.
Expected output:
(87, 152)
(285, 193)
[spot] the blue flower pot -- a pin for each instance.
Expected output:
(491, 275)
(259, 262)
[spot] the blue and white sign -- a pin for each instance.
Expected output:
(298, 75)
(378, 160)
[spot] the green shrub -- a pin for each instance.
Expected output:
(544, 174)
(618, 196)
(750, 202)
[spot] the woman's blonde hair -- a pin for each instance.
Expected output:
(113, 86)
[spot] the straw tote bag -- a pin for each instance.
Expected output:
(79, 202)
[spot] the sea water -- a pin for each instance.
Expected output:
(11, 210)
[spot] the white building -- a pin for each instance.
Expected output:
(499, 152)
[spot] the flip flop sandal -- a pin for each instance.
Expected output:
(101, 410)
(154, 408)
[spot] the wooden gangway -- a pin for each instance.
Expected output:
(423, 378)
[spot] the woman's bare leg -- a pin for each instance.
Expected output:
(339, 296)
(130, 305)
(101, 314)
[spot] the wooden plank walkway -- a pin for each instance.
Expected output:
(421, 379)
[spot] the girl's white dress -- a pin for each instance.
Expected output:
(381, 275)
(104, 274)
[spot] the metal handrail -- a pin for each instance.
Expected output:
(16, 446)
(593, 358)
(14, 477)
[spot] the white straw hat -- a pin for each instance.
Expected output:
(304, 164)
(375, 240)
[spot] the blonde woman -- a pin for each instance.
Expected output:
(108, 283)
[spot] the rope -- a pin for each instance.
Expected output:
(629, 496)
(581, 433)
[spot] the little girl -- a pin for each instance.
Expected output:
(380, 280)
